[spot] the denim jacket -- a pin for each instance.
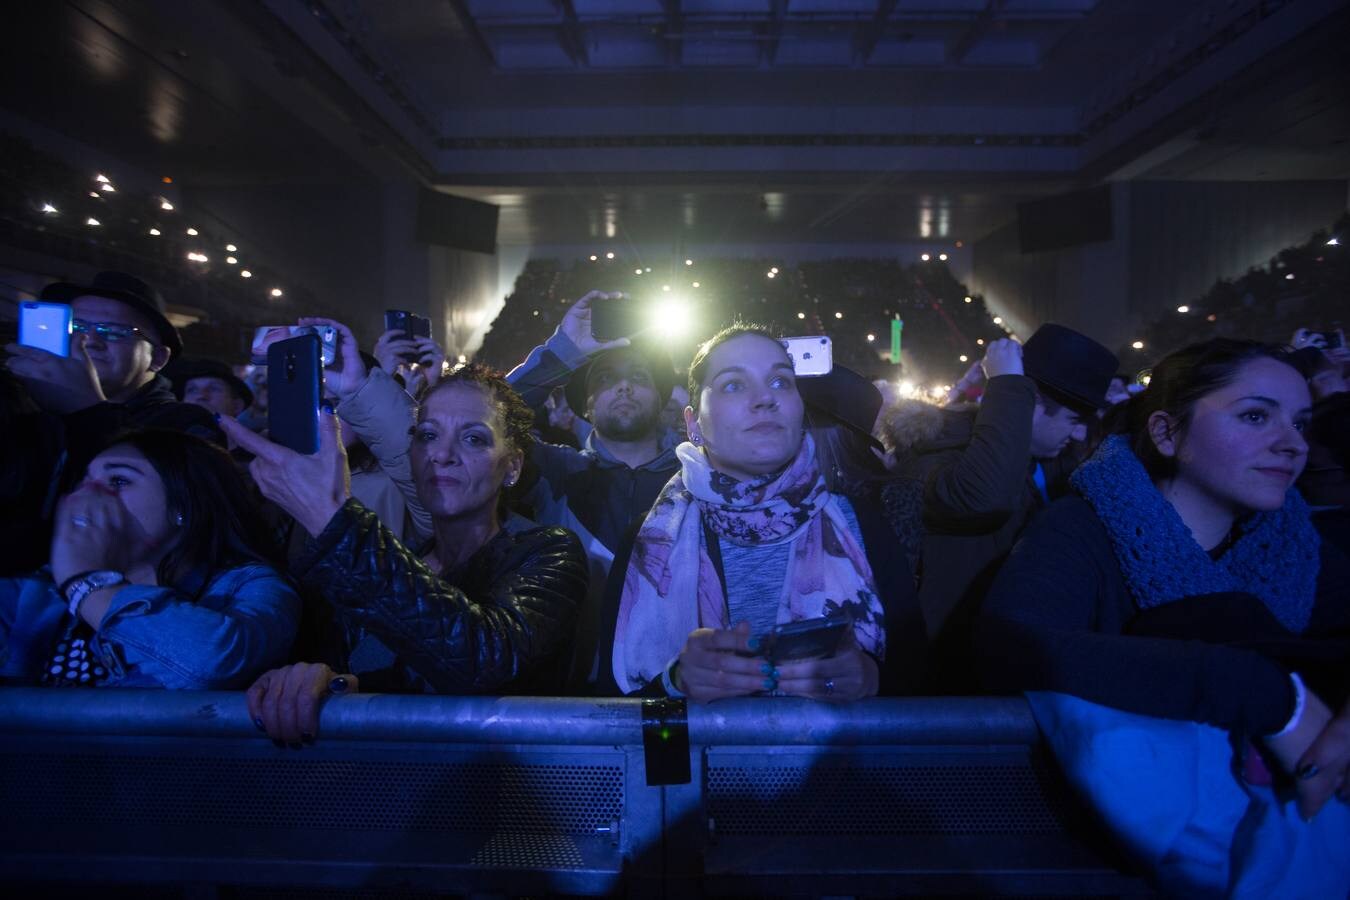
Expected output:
(242, 623)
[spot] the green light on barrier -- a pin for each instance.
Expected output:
(897, 327)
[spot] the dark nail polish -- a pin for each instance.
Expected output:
(766, 668)
(770, 683)
(753, 644)
(258, 723)
(774, 674)
(1306, 771)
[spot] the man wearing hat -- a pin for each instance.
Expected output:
(597, 492)
(983, 471)
(211, 385)
(111, 381)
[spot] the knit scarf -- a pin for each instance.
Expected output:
(1275, 556)
(671, 586)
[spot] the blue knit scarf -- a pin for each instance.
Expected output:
(1275, 557)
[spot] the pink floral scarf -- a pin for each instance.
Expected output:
(672, 588)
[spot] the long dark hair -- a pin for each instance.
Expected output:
(222, 526)
(1177, 384)
(845, 457)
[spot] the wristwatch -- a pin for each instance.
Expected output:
(86, 584)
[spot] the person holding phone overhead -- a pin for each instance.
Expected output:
(483, 609)
(748, 536)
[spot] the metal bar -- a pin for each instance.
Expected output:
(531, 720)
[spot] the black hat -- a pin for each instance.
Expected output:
(844, 395)
(126, 289)
(1070, 368)
(180, 372)
(658, 359)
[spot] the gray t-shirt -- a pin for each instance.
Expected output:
(755, 576)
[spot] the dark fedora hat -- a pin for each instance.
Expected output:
(1070, 368)
(845, 396)
(658, 360)
(126, 289)
(181, 371)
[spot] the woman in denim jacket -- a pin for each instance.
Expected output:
(158, 577)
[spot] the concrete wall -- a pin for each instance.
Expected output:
(1171, 242)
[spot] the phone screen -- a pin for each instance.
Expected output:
(45, 326)
(807, 639)
(809, 355)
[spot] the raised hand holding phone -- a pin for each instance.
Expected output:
(578, 324)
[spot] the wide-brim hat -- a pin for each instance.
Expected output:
(1070, 368)
(658, 360)
(126, 289)
(845, 396)
(180, 372)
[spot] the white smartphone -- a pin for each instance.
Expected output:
(809, 355)
(267, 335)
(45, 326)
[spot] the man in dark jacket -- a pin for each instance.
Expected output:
(110, 381)
(620, 387)
(984, 473)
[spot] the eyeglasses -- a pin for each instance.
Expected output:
(111, 332)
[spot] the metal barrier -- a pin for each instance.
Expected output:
(539, 795)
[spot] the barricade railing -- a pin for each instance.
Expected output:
(530, 795)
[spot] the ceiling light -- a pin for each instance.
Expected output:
(801, 315)
(276, 292)
(48, 208)
(230, 248)
(925, 257)
(231, 260)
(696, 284)
(108, 188)
(1289, 277)
(688, 262)
(165, 204)
(666, 288)
(942, 256)
(154, 232)
(871, 338)
(968, 299)
(998, 320)
(963, 358)
(838, 315)
(594, 257)
(192, 232)
(637, 271)
(772, 274)
(1183, 309)
(980, 341)
(609, 255)
(94, 194)
(245, 273)
(92, 221)
(1138, 345)
(1334, 242)
(101, 179)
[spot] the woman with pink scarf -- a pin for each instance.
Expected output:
(748, 535)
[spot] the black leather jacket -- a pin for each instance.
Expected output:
(502, 622)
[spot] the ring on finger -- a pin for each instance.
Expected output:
(829, 687)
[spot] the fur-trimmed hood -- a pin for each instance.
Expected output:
(917, 426)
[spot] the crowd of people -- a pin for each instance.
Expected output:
(1166, 562)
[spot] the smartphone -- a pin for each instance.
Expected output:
(807, 639)
(267, 335)
(294, 391)
(809, 355)
(45, 326)
(1334, 339)
(613, 318)
(411, 325)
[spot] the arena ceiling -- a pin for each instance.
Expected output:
(668, 120)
